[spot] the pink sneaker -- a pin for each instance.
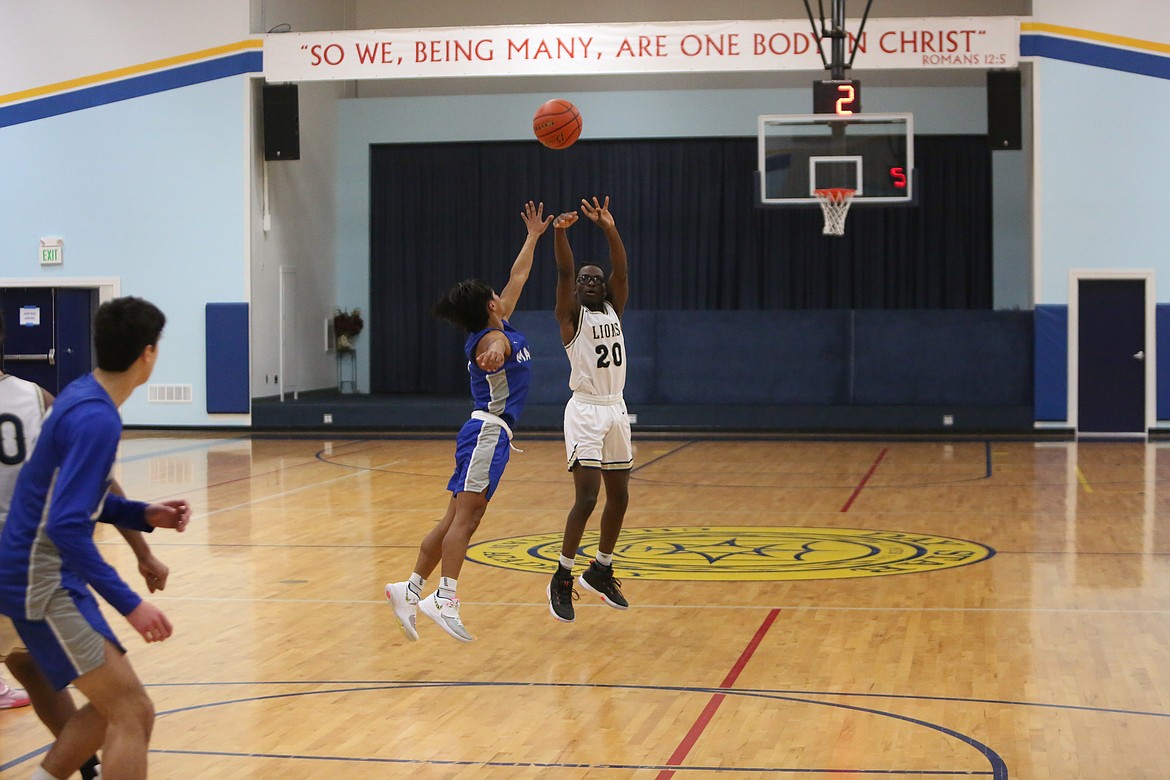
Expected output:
(11, 698)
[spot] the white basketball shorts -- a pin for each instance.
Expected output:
(598, 435)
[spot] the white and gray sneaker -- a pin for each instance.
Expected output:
(404, 601)
(445, 612)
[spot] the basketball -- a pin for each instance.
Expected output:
(557, 124)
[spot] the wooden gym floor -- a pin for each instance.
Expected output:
(801, 609)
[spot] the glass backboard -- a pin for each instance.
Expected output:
(870, 153)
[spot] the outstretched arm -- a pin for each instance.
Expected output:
(618, 288)
(568, 306)
(536, 223)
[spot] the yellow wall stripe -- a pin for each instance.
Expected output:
(132, 70)
(1074, 32)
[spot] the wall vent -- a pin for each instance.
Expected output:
(168, 394)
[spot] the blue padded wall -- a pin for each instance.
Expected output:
(227, 358)
(752, 357)
(942, 357)
(817, 358)
(1051, 372)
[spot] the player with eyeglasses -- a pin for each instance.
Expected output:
(598, 442)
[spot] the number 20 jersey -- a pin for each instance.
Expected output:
(597, 354)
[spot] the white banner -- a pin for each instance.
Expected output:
(649, 47)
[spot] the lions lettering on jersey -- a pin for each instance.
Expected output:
(606, 330)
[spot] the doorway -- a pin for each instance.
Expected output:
(1111, 353)
(48, 332)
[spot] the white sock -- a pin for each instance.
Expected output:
(415, 584)
(568, 563)
(41, 774)
(605, 559)
(446, 587)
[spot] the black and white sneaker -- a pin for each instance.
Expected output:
(560, 596)
(600, 580)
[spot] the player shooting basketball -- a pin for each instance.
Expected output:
(598, 442)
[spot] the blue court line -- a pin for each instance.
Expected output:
(134, 87)
(998, 770)
(1097, 55)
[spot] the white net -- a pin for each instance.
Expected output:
(835, 205)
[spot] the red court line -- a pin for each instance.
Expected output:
(861, 484)
(708, 712)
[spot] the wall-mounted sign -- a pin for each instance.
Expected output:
(30, 316)
(642, 47)
(52, 251)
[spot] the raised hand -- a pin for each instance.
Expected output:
(534, 218)
(598, 212)
(565, 220)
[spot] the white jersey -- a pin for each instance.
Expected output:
(597, 354)
(22, 408)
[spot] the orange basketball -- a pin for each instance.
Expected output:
(557, 124)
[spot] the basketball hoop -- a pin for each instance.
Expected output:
(835, 203)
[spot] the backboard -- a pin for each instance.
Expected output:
(870, 153)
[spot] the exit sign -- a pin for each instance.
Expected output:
(52, 251)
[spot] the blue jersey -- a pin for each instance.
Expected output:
(504, 391)
(47, 541)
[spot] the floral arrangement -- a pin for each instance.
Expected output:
(346, 326)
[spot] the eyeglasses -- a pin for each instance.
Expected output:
(590, 279)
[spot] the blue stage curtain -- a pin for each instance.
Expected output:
(695, 237)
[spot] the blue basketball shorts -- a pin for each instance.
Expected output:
(482, 450)
(71, 640)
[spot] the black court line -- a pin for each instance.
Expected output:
(997, 770)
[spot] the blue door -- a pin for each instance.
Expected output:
(75, 309)
(48, 334)
(1111, 365)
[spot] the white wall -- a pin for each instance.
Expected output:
(165, 192)
(147, 190)
(302, 233)
(1144, 19)
(387, 14)
(49, 41)
(1101, 153)
(150, 190)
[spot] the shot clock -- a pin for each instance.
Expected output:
(841, 97)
